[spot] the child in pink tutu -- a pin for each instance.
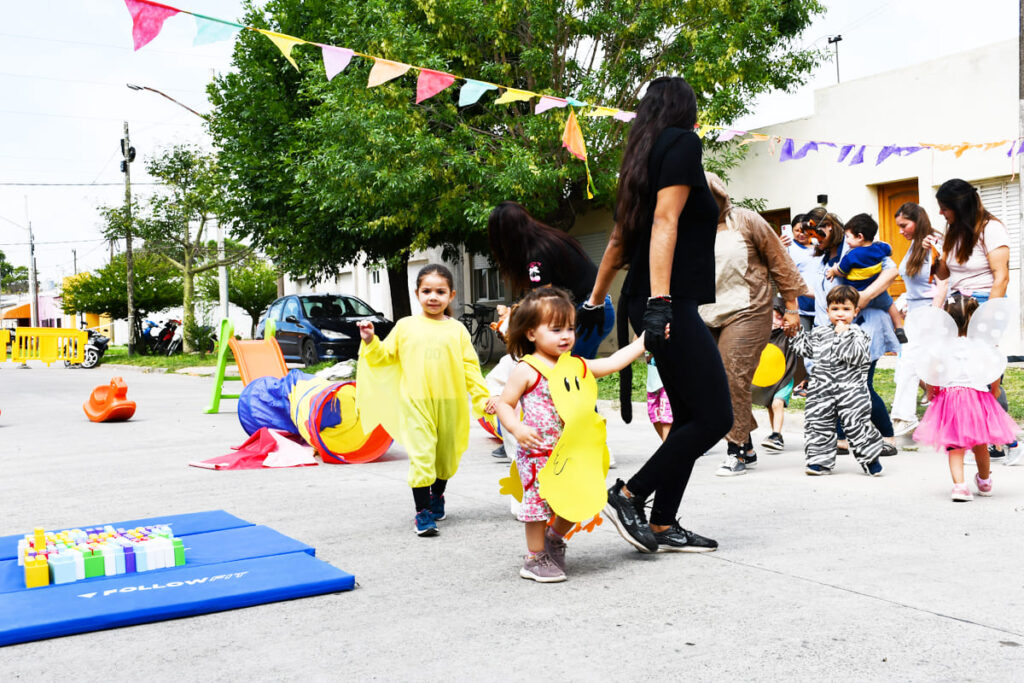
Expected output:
(964, 413)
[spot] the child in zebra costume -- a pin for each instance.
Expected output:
(838, 388)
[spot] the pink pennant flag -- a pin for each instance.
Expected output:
(385, 70)
(430, 83)
(546, 103)
(335, 59)
(147, 19)
(626, 116)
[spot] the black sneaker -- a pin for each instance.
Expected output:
(774, 442)
(676, 539)
(627, 514)
(888, 449)
(842, 450)
(901, 335)
(996, 452)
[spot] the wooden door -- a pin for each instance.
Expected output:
(891, 197)
(777, 218)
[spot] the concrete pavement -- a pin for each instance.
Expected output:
(845, 577)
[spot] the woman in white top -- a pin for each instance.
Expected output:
(976, 249)
(916, 270)
(975, 255)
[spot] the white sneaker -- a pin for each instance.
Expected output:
(611, 460)
(731, 467)
(903, 427)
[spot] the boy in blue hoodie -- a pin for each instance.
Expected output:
(862, 263)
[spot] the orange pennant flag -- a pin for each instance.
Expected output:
(385, 70)
(572, 138)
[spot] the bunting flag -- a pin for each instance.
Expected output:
(513, 95)
(211, 30)
(147, 19)
(472, 90)
(547, 102)
(844, 152)
(597, 112)
(385, 70)
(284, 44)
(703, 130)
(430, 83)
(626, 116)
(336, 59)
(572, 140)
(858, 158)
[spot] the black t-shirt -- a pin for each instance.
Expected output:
(676, 160)
(571, 270)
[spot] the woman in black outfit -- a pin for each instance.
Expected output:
(665, 232)
(530, 254)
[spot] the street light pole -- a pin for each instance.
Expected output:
(222, 270)
(126, 164)
(834, 40)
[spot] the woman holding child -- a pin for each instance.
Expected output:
(665, 232)
(830, 232)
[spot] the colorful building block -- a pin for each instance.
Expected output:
(37, 572)
(62, 569)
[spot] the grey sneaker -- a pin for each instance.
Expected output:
(676, 539)
(542, 569)
(774, 442)
(555, 548)
(732, 466)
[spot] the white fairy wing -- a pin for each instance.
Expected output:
(989, 322)
(930, 326)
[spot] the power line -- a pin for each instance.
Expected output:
(20, 244)
(191, 124)
(70, 184)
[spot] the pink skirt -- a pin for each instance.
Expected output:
(658, 407)
(961, 417)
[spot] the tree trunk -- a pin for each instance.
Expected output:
(398, 269)
(188, 316)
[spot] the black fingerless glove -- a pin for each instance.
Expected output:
(656, 317)
(589, 319)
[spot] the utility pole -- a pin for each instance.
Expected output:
(74, 260)
(129, 157)
(834, 40)
(33, 283)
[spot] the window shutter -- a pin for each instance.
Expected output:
(481, 262)
(1002, 199)
(594, 244)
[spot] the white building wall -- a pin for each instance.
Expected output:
(967, 97)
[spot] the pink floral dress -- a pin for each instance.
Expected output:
(538, 412)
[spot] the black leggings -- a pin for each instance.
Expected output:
(694, 379)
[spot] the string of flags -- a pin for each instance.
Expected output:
(148, 18)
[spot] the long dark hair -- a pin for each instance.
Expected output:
(516, 237)
(960, 309)
(669, 103)
(916, 214)
(969, 220)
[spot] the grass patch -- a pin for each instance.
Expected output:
(1013, 381)
(119, 355)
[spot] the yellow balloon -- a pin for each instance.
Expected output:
(771, 368)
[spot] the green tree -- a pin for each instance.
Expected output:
(174, 222)
(252, 286)
(329, 173)
(157, 287)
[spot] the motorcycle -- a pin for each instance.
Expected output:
(95, 347)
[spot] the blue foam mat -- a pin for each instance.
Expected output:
(182, 525)
(200, 549)
(153, 596)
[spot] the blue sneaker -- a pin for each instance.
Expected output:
(425, 525)
(874, 468)
(437, 508)
(816, 470)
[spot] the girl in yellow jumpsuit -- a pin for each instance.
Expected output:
(415, 384)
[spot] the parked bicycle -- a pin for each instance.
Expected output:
(477, 320)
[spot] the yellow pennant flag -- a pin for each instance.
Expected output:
(384, 70)
(284, 44)
(703, 130)
(755, 137)
(601, 112)
(513, 95)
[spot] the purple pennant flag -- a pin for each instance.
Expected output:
(335, 59)
(858, 158)
(887, 152)
(907, 151)
(786, 151)
(843, 153)
(1021, 148)
(808, 147)
(1009, 152)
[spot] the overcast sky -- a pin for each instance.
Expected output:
(65, 65)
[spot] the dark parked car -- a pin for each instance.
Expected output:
(318, 327)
